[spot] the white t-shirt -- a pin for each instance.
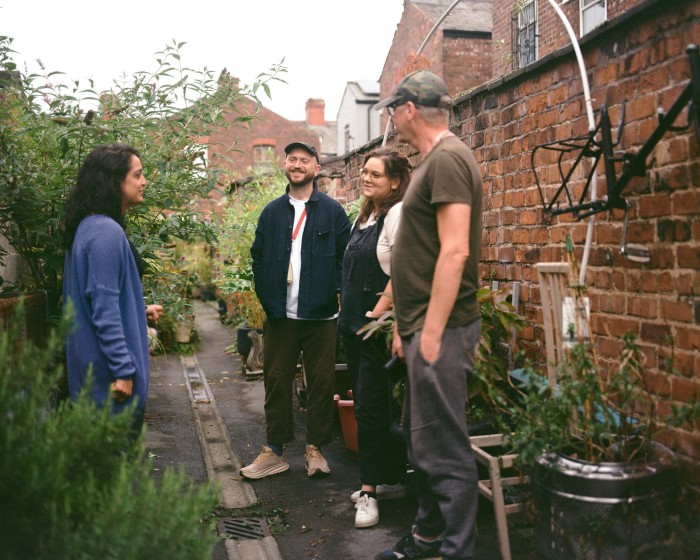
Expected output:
(295, 259)
(387, 236)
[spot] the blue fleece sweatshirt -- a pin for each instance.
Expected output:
(101, 281)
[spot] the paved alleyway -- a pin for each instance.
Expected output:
(309, 518)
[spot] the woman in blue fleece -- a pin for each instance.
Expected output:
(102, 283)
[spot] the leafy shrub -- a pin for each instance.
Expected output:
(240, 219)
(46, 132)
(75, 484)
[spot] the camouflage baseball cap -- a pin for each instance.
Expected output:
(424, 88)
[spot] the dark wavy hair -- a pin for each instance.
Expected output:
(396, 166)
(99, 187)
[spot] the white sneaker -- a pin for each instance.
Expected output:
(367, 513)
(384, 492)
(314, 462)
(265, 464)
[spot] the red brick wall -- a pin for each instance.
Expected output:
(409, 35)
(466, 62)
(552, 34)
(463, 61)
(643, 60)
(236, 142)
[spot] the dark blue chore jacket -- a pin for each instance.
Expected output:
(326, 234)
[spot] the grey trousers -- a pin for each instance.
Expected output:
(439, 450)
(284, 340)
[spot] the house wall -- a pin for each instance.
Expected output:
(358, 118)
(551, 33)
(466, 61)
(463, 59)
(640, 58)
(410, 33)
(236, 142)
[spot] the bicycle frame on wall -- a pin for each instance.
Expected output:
(598, 143)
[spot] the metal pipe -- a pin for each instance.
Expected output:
(591, 127)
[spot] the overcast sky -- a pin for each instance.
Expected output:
(324, 43)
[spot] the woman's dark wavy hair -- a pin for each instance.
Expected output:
(396, 166)
(99, 187)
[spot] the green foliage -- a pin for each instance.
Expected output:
(77, 485)
(352, 209)
(238, 224)
(498, 317)
(493, 352)
(592, 414)
(46, 132)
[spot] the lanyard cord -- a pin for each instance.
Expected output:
(296, 228)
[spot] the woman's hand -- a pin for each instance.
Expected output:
(153, 312)
(122, 389)
(396, 346)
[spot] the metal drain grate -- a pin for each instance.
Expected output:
(196, 382)
(243, 528)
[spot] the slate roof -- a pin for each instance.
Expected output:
(468, 15)
(364, 90)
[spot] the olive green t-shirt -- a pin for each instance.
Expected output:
(448, 174)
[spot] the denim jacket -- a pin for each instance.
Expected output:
(325, 236)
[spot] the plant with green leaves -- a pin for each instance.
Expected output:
(46, 132)
(236, 237)
(596, 413)
(492, 363)
(78, 473)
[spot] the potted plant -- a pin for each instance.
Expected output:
(602, 486)
(235, 275)
(170, 284)
(498, 318)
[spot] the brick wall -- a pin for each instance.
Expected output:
(410, 33)
(462, 59)
(236, 142)
(466, 62)
(641, 59)
(551, 33)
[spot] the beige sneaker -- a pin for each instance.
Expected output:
(265, 464)
(314, 462)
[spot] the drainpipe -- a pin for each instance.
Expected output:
(591, 127)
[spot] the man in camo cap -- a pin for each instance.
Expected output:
(423, 88)
(434, 261)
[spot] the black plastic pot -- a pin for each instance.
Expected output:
(596, 511)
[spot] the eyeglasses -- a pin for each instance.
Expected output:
(390, 108)
(373, 174)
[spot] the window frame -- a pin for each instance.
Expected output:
(588, 8)
(527, 28)
(263, 157)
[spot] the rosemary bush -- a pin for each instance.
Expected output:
(75, 484)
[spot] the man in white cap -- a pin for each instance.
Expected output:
(438, 324)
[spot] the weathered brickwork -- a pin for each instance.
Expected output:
(462, 59)
(638, 60)
(235, 143)
(552, 35)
